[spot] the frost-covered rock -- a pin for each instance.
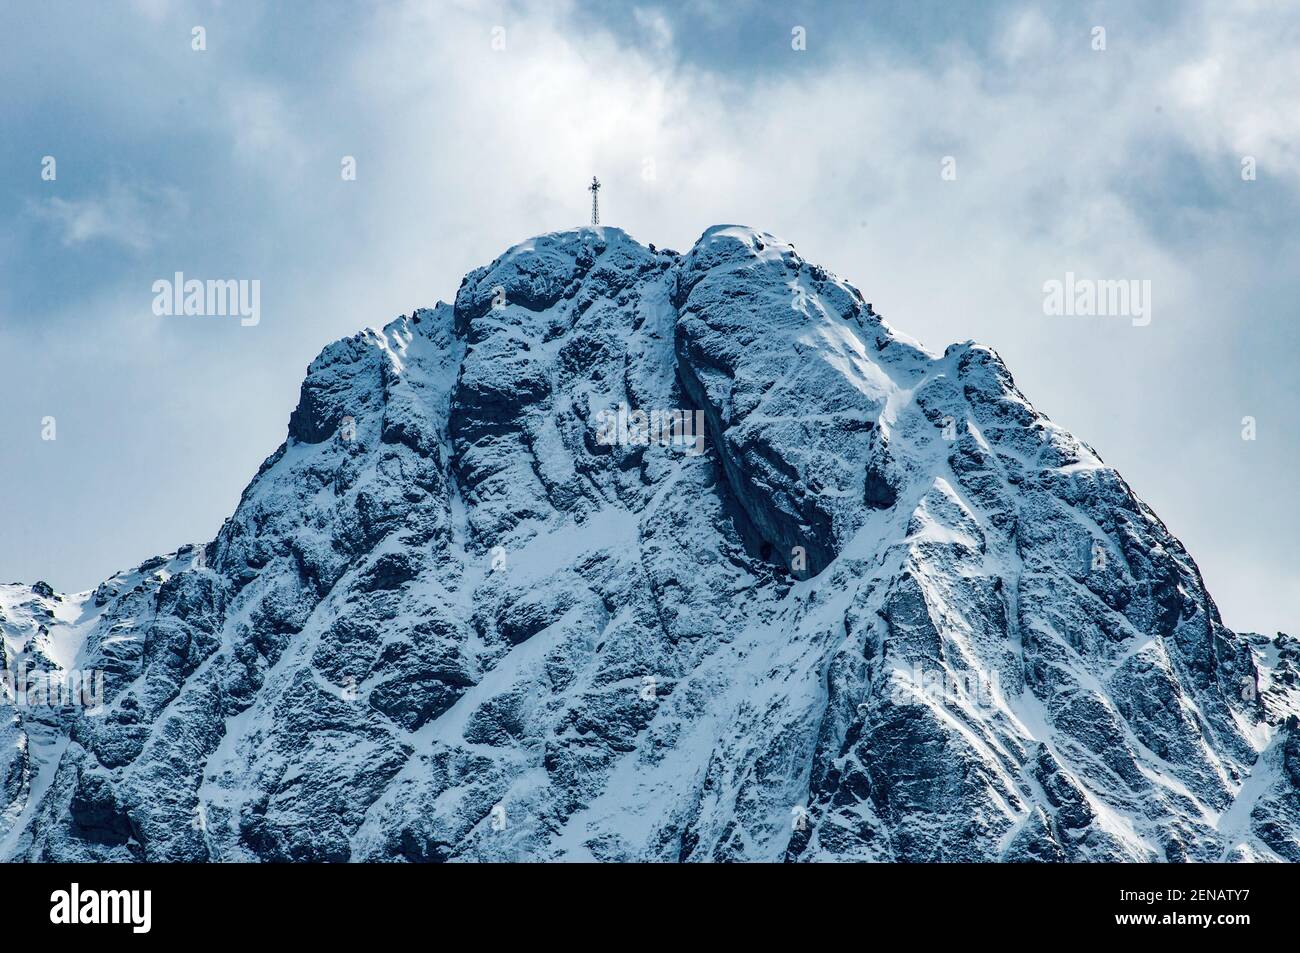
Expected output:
(891, 612)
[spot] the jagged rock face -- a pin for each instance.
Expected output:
(890, 613)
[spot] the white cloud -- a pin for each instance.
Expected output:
(1237, 89)
(1029, 35)
(155, 10)
(656, 26)
(135, 217)
(261, 130)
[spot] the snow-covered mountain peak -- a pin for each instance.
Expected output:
(483, 603)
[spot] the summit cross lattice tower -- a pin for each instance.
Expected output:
(594, 189)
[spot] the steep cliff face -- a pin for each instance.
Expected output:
(890, 613)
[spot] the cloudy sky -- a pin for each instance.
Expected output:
(1118, 163)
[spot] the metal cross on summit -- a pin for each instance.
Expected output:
(594, 189)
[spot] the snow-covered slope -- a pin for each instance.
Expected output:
(890, 613)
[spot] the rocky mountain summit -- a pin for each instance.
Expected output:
(890, 613)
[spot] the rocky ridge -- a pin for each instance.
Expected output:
(891, 613)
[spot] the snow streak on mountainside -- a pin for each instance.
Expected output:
(890, 613)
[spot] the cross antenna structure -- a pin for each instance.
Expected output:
(594, 189)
